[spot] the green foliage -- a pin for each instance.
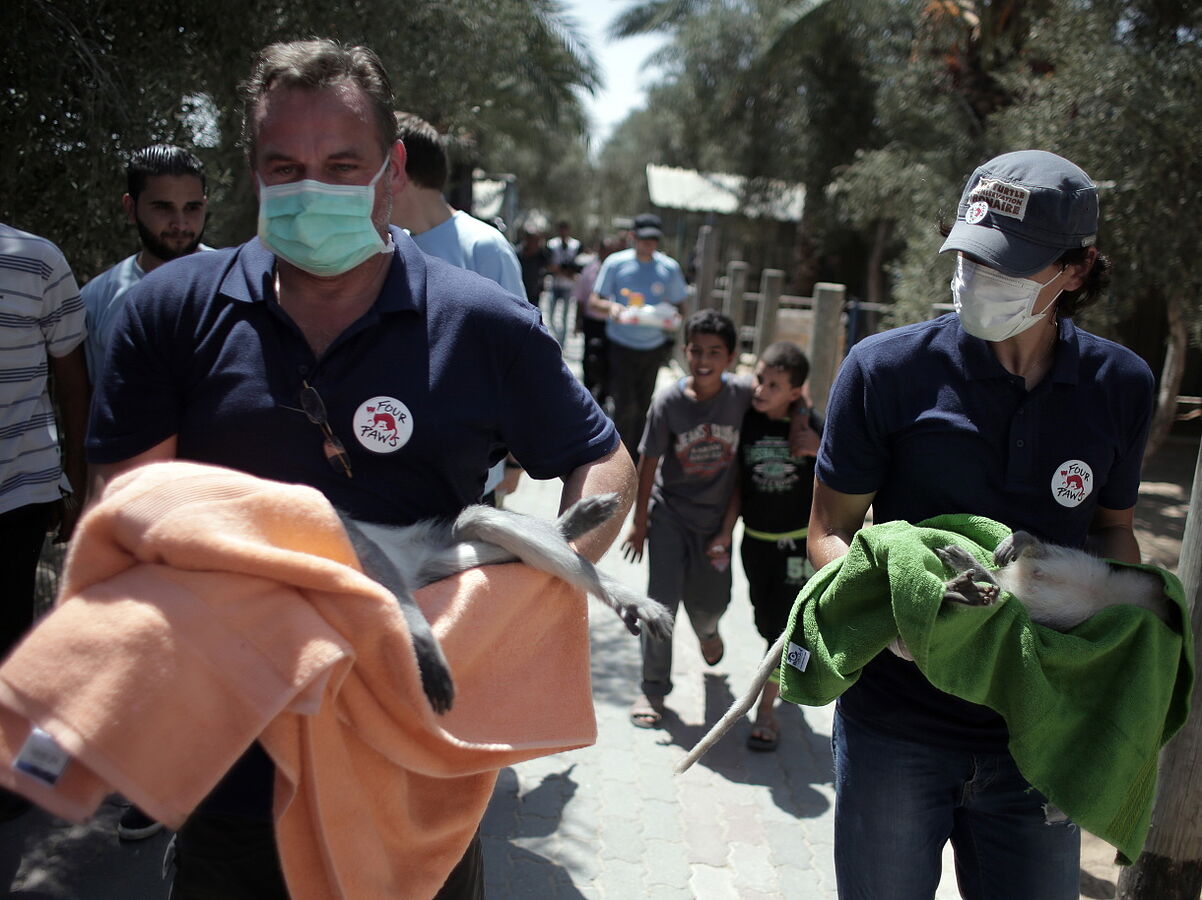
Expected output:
(882, 110)
(83, 90)
(1123, 104)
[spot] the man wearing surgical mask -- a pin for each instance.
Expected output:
(1003, 409)
(329, 351)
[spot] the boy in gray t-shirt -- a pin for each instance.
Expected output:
(686, 474)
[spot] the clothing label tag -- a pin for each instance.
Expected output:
(797, 657)
(42, 757)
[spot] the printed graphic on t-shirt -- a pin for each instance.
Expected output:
(383, 424)
(773, 470)
(797, 570)
(706, 450)
(1072, 482)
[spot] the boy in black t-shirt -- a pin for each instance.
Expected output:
(773, 496)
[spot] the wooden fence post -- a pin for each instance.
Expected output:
(707, 266)
(736, 287)
(772, 283)
(825, 343)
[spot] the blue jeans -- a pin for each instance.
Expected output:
(898, 802)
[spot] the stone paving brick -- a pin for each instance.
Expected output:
(661, 821)
(706, 842)
(752, 866)
(712, 883)
(622, 880)
(581, 858)
(744, 823)
(665, 864)
(621, 841)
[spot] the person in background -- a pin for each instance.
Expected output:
(638, 276)
(419, 206)
(596, 346)
(1003, 409)
(44, 395)
(534, 258)
(773, 495)
(686, 476)
(564, 269)
(165, 199)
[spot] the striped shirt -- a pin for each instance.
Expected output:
(41, 315)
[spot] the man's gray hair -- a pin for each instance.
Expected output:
(312, 65)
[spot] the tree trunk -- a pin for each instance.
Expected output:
(882, 234)
(1170, 867)
(1170, 376)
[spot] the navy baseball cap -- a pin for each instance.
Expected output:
(1021, 211)
(648, 225)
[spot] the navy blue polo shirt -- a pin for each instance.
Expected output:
(426, 390)
(927, 418)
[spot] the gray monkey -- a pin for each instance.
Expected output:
(1059, 586)
(404, 558)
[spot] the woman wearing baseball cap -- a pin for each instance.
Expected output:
(1003, 409)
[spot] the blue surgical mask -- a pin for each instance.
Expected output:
(993, 306)
(325, 229)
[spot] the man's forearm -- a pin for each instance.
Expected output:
(1116, 542)
(600, 306)
(611, 473)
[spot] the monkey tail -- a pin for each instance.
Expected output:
(738, 709)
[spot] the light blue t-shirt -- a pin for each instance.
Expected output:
(468, 243)
(658, 280)
(101, 299)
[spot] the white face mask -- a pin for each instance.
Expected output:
(993, 306)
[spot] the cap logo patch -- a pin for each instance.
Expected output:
(383, 424)
(1072, 482)
(976, 212)
(1001, 197)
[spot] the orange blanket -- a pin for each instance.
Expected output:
(203, 608)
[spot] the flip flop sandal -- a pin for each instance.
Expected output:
(646, 715)
(763, 739)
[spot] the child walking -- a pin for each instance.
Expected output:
(775, 489)
(686, 477)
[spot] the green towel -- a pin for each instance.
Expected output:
(1087, 711)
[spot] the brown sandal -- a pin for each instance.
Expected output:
(712, 650)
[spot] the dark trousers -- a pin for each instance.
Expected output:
(235, 858)
(22, 532)
(632, 375)
(596, 362)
